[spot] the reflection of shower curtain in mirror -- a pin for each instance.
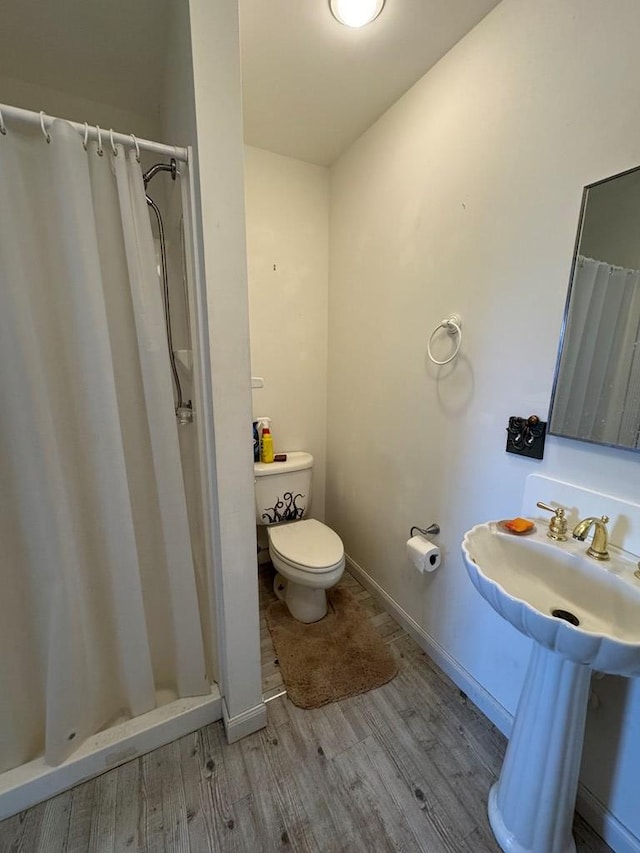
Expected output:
(598, 389)
(98, 609)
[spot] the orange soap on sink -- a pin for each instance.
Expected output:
(519, 525)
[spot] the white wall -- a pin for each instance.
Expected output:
(465, 197)
(287, 206)
(30, 96)
(215, 52)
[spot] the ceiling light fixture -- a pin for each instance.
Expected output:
(355, 13)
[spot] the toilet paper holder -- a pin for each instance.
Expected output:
(431, 530)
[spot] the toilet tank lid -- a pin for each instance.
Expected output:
(297, 460)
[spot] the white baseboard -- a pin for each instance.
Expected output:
(617, 836)
(31, 783)
(480, 697)
(615, 833)
(246, 723)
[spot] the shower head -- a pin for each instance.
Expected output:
(172, 167)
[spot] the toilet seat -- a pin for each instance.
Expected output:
(307, 545)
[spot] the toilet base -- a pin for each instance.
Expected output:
(304, 603)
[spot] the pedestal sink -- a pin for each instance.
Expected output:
(583, 615)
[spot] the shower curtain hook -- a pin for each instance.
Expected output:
(100, 151)
(135, 142)
(46, 133)
(113, 145)
(3, 129)
(86, 136)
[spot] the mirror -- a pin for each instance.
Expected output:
(596, 390)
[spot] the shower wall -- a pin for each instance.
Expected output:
(31, 96)
(167, 194)
(178, 126)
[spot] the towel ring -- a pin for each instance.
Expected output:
(453, 326)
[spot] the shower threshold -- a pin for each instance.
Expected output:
(30, 783)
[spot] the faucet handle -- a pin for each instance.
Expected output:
(558, 524)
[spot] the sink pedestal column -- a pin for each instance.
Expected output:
(531, 805)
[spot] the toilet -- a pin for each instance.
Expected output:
(308, 555)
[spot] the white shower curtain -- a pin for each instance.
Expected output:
(598, 390)
(98, 608)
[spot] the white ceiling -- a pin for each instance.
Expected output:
(312, 86)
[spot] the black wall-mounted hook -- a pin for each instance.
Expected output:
(525, 436)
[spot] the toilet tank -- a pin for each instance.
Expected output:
(283, 489)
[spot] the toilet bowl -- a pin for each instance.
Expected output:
(308, 555)
(309, 559)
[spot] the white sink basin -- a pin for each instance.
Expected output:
(527, 578)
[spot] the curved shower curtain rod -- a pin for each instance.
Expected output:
(7, 111)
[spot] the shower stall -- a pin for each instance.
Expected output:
(107, 617)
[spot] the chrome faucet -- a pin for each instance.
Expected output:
(598, 547)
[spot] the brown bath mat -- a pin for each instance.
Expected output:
(339, 656)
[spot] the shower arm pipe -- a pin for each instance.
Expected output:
(30, 117)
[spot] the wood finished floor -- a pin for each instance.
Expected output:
(406, 767)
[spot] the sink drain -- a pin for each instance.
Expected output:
(566, 615)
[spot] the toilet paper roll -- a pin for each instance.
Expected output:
(424, 554)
